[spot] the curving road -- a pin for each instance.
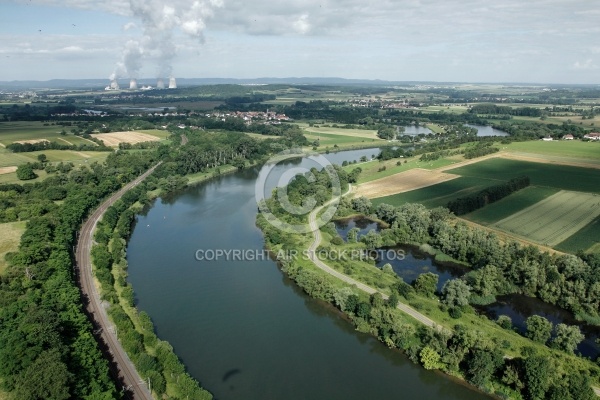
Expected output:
(312, 219)
(133, 385)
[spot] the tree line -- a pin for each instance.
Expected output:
(491, 194)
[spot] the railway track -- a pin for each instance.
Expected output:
(130, 381)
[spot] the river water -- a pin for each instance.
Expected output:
(241, 327)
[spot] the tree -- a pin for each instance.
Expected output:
(376, 300)
(393, 300)
(47, 378)
(504, 321)
(538, 328)
(352, 235)
(42, 158)
(426, 284)
(25, 172)
(430, 358)
(482, 364)
(456, 293)
(537, 377)
(567, 337)
(362, 205)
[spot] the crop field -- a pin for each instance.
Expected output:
(438, 195)
(8, 159)
(567, 150)
(507, 206)
(541, 174)
(114, 138)
(586, 239)
(554, 219)
(403, 182)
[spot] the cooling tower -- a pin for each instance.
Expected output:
(114, 84)
(133, 84)
(160, 84)
(172, 83)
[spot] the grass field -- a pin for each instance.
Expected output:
(586, 239)
(550, 175)
(11, 132)
(568, 150)
(362, 133)
(438, 195)
(554, 219)
(507, 206)
(10, 236)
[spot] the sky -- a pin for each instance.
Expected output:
(536, 41)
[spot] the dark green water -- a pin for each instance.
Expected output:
(241, 327)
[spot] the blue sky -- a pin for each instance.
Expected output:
(545, 41)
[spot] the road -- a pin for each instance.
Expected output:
(312, 219)
(105, 331)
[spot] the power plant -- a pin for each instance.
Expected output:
(133, 84)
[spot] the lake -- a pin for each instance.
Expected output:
(483, 130)
(241, 327)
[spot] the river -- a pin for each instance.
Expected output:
(241, 327)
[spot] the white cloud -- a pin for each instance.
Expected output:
(585, 65)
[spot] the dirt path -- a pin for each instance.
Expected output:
(312, 255)
(65, 140)
(105, 333)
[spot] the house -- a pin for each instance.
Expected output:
(592, 136)
(547, 139)
(568, 136)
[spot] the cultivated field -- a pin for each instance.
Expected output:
(507, 206)
(563, 177)
(437, 195)
(413, 179)
(553, 219)
(114, 138)
(565, 150)
(586, 239)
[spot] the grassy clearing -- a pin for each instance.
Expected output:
(8, 159)
(550, 175)
(12, 178)
(554, 219)
(586, 239)
(330, 140)
(23, 130)
(438, 195)
(10, 236)
(76, 157)
(504, 208)
(362, 133)
(575, 150)
(161, 134)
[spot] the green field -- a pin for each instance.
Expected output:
(569, 150)
(162, 134)
(550, 175)
(438, 195)
(586, 239)
(554, 219)
(10, 236)
(11, 132)
(509, 205)
(363, 133)
(330, 140)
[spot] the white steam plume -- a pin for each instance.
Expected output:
(158, 20)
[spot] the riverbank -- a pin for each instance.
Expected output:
(361, 275)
